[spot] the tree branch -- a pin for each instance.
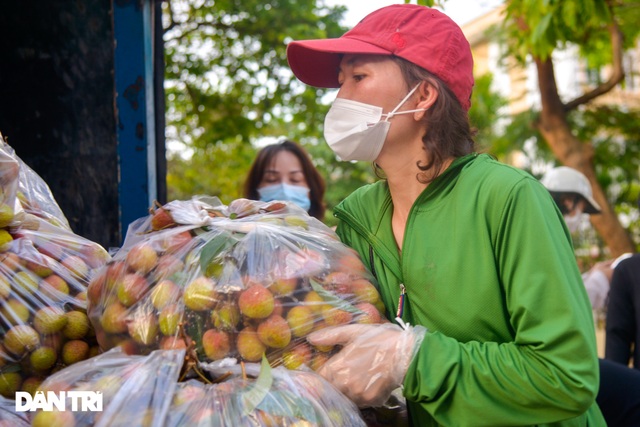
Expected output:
(194, 27)
(617, 72)
(549, 97)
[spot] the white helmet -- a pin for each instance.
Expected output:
(564, 179)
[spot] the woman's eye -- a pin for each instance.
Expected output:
(358, 77)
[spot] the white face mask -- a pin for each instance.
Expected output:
(354, 130)
(573, 222)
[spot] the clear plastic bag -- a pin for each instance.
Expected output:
(256, 395)
(144, 390)
(135, 390)
(9, 417)
(25, 191)
(236, 281)
(44, 272)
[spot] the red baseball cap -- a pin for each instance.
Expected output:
(419, 34)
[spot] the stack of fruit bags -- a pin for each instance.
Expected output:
(145, 390)
(235, 282)
(44, 272)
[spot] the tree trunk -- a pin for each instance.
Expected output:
(576, 154)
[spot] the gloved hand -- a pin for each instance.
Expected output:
(373, 361)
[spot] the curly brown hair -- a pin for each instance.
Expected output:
(449, 133)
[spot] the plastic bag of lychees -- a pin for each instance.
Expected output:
(261, 396)
(44, 273)
(235, 281)
(43, 290)
(25, 193)
(124, 390)
(9, 173)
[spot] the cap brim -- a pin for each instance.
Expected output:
(592, 206)
(316, 62)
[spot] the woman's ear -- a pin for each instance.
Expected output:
(427, 94)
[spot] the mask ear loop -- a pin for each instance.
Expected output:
(395, 110)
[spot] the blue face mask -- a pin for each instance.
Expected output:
(291, 193)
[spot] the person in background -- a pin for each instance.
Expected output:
(619, 391)
(572, 193)
(623, 314)
(492, 322)
(284, 171)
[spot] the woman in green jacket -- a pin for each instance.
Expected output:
(492, 323)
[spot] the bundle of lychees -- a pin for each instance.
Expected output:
(44, 272)
(145, 390)
(240, 281)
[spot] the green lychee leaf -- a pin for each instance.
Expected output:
(195, 329)
(9, 369)
(332, 298)
(285, 403)
(214, 247)
(260, 388)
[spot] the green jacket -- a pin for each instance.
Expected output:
(489, 270)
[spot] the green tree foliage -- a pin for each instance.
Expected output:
(485, 113)
(579, 132)
(615, 135)
(229, 90)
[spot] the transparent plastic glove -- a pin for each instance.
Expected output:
(373, 361)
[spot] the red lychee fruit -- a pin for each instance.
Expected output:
(142, 258)
(370, 313)
(143, 328)
(216, 344)
(76, 266)
(164, 292)
(54, 287)
(335, 316)
(161, 219)
(314, 302)
(169, 318)
(74, 351)
(51, 250)
(21, 339)
(351, 263)
(113, 320)
(249, 346)
(364, 291)
(94, 255)
(200, 294)
(256, 302)
(301, 320)
(274, 332)
(176, 242)
(297, 356)
(132, 287)
(168, 265)
(115, 271)
(283, 285)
